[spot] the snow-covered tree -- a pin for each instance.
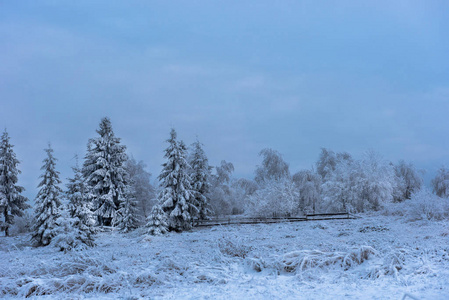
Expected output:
(379, 183)
(141, 187)
(336, 189)
(221, 192)
(359, 185)
(200, 177)
(309, 185)
(128, 212)
(105, 174)
(70, 234)
(176, 195)
(48, 202)
(328, 160)
(273, 166)
(12, 203)
(276, 198)
(409, 180)
(79, 212)
(440, 183)
(157, 222)
(240, 190)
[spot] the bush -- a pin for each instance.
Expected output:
(21, 224)
(427, 206)
(233, 247)
(302, 260)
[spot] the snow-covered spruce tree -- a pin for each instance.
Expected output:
(157, 221)
(69, 234)
(11, 202)
(200, 176)
(79, 210)
(176, 195)
(105, 175)
(128, 212)
(440, 183)
(48, 202)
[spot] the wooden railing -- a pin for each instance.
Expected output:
(267, 220)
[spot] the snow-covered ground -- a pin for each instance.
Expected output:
(375, 257)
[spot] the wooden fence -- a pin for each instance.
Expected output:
(247, 220)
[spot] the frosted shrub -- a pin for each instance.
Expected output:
(298, 261)
(395, 209)
(427, 206)
(22, 224)
(233, 247)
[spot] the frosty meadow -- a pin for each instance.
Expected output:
(109, 233)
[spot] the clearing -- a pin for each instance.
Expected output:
(375, 257)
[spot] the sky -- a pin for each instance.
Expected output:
(240, 76)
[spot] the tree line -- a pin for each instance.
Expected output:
(111, 188)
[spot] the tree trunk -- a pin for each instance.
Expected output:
(5, 213)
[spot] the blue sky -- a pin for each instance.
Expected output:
(241, 75)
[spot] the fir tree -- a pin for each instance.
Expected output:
(128, 212)
(175, 195)
(157, 221)
(79, 210)
(11, 202)
(105, 175)
(70, 235)
(47, 202)
(200, 175)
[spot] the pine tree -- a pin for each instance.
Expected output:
(79, 209)
(70, 235)
(175, 195)
(128, 212)
(157, 221)
(11, 202)
(47, 202)
(105, 175)
(200, 176)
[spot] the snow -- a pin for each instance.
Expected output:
(241, 262)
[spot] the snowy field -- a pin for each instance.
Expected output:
(375, 257)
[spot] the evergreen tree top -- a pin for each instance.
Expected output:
(5, 138)
(173, 135)
(51, 175)
(105, 127)
(7, 154)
